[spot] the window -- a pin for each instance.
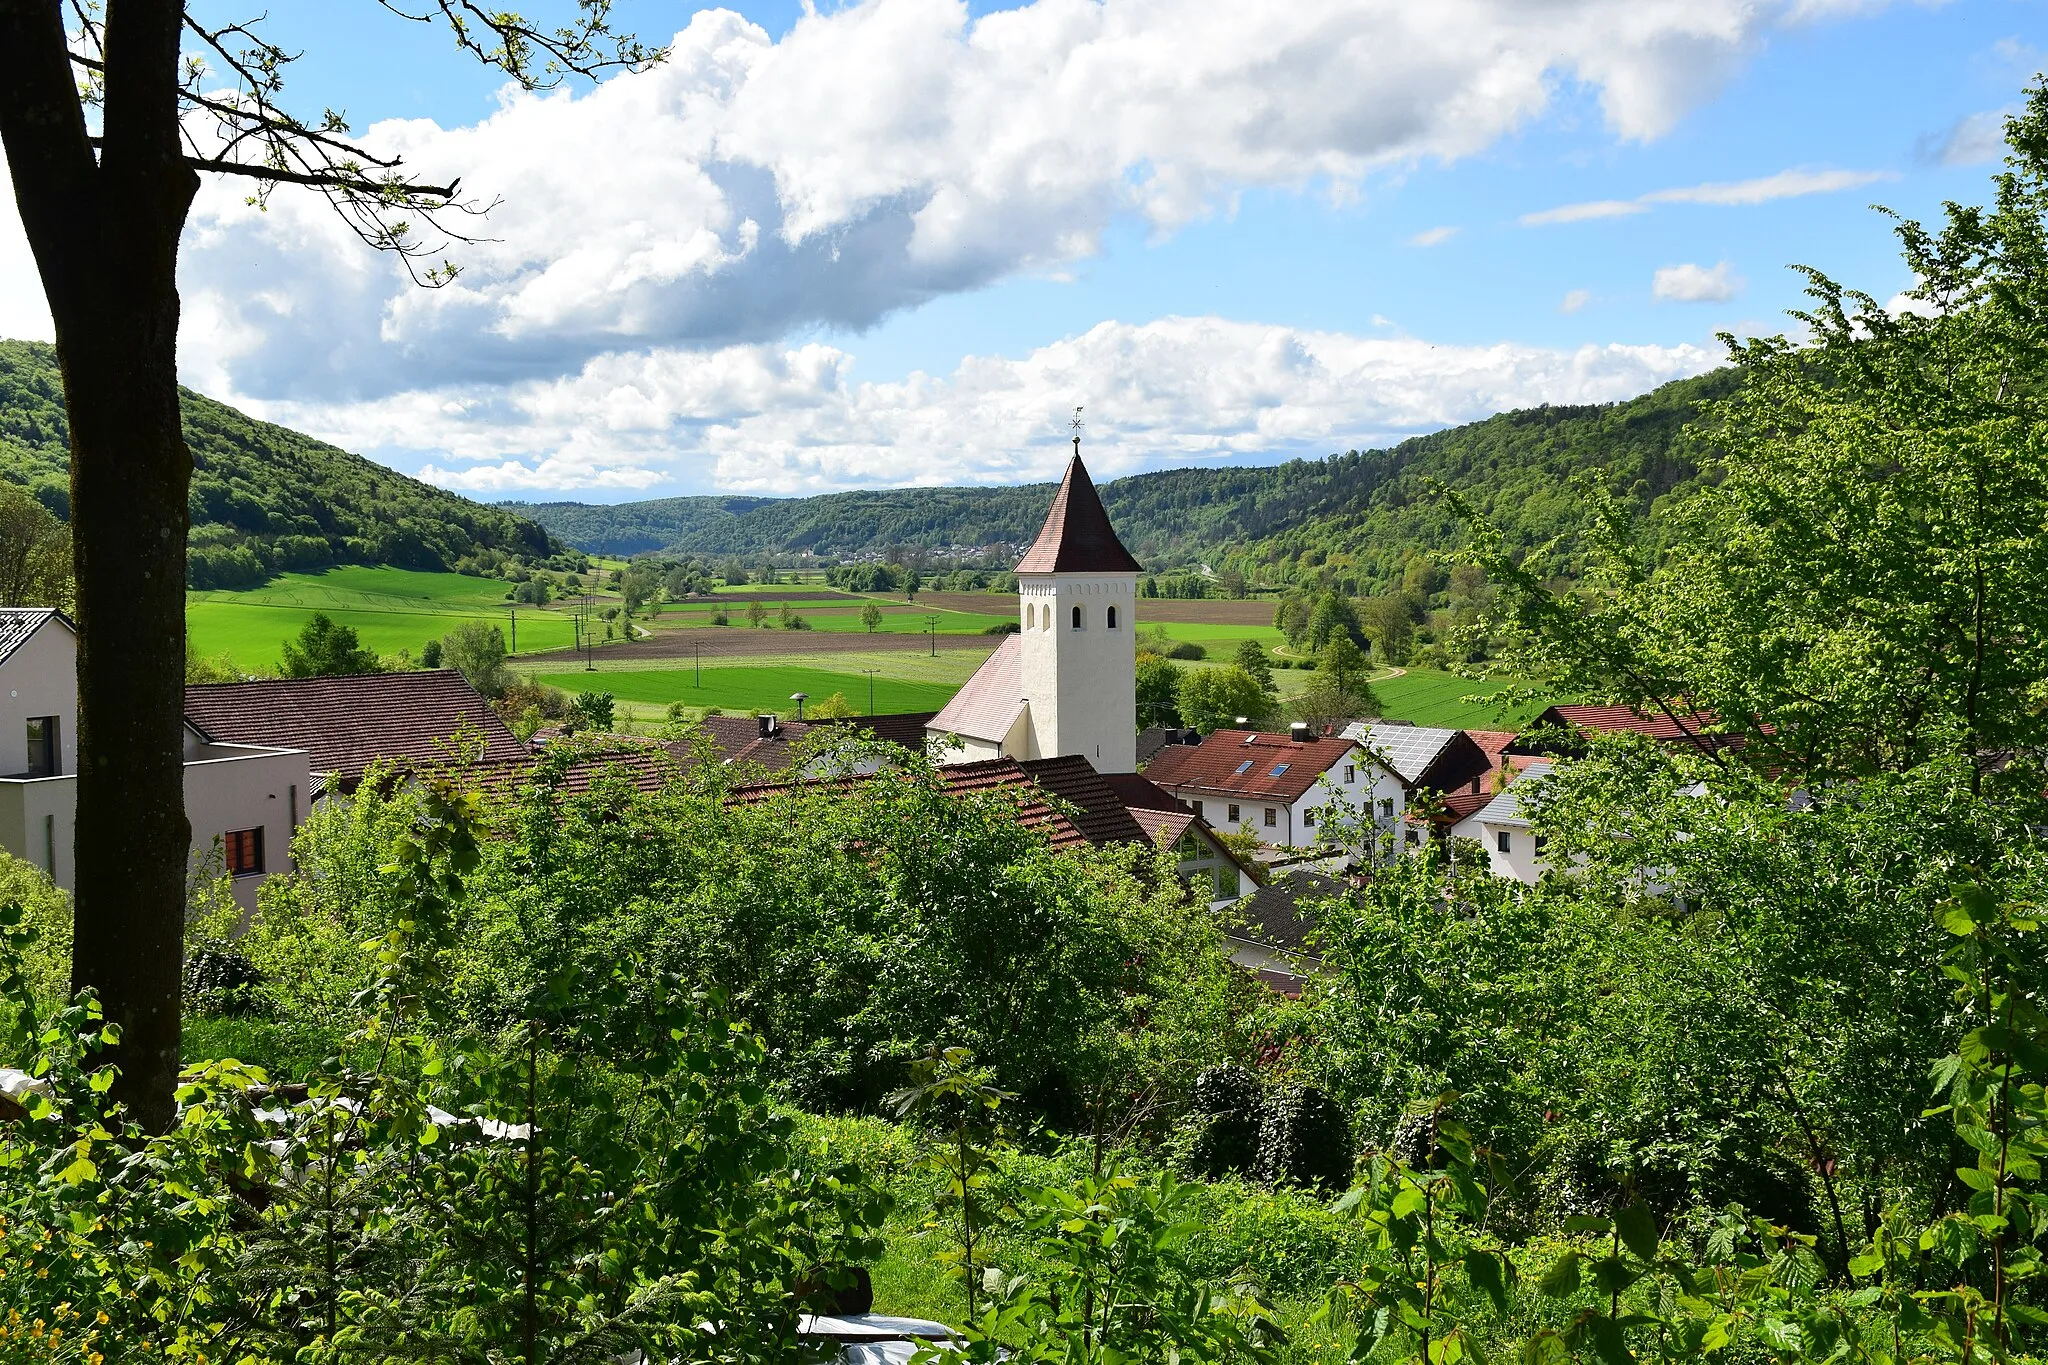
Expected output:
(1540, 840)
(1077, 618)
(1233, 812)
(1414, 839)
(1111, 622)
(244, 849)
(1198, 809)
(1308, 817)
(1278, 770)
(45, 759)
(1241, 769)
(1272, 817)
(1387, 809)
(1350, 773)
(1226, 882)
(1504, 842)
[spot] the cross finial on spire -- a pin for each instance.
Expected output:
(1076, 425)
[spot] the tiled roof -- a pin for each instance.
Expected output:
(1492, 742)
(1142, 793)
(905, 728)
(1506, 808)
(739, 738)
(1273, 915)
(1458, 805)
(987, 706)
(1214, 764)
(1163, 827)
(1077, 536)
(18, 623)
(1103, 816)
(346, 724)
(1610, 719)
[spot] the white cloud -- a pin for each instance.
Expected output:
(1575, 300)
(891, 151)
(1788, 184)
(1969, 141)
(1690, 283)
(1435, 236)
(772, 419)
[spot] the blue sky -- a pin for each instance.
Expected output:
(894, 241)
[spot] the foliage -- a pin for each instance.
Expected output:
(1226, 1105)
(1213, 698)
(1251, 656)
(265, 499)
(325, 649)
(35, 552)
(593, 711)
(1158, 689)
(1304, 1139)
(870, 616)
(477, 651)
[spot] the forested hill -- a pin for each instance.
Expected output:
(1355, 518)
(266, 499)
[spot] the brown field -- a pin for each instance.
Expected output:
(737, 643)
(795, 592)
(1164, 609)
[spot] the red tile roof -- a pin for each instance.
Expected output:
(987, 706)
(1103, 816)
(1213, 765)
(1655, 724)
(1077, 536)
(346, 724)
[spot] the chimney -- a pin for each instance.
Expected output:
(1298, 732)
(767, 727)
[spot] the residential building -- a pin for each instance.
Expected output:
(1272, 932)
(1502, 828)
(1171, 824)
(244, 800)
(1541, 739)
(1274, 784)
(1066, 683)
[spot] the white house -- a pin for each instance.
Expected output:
(1066, 683)
(1282, 786)
(1501, 827)
(244, 800)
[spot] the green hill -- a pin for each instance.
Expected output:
(265, 499)
(1353, 518)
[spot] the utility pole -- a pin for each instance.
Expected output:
(515, 628)
(871, 688)
(700, 662)
(933, 623)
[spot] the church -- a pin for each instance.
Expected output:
(1066, 683)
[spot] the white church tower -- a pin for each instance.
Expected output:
(1066, 683)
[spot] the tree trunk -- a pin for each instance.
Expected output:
(104, 229)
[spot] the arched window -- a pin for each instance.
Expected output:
(1030, 615)
(1077, 618)
(1112, 618)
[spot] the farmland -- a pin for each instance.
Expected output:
(755, 687)
(389, 609)
(1427, 697)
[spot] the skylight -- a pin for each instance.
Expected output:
(1241, 768)
(1278, 769)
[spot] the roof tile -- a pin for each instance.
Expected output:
(1077, 536)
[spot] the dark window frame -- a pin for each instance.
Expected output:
(45, 738)
(242, 852)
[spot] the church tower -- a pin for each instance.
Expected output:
(1076, 589)
(1067, 682)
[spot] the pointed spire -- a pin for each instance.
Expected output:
(1077, 536)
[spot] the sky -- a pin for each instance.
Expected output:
(886, 242)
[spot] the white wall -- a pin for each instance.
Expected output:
(1082, 684)
(1292, 825)
(1519, 862)
(236, 787)
(39, 679)
(36, 817)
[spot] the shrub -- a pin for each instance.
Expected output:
(1187, 649)
(1002, 628)
(1304, 1139)
(1226, 1113)
(222, 980)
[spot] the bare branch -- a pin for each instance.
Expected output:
(391, 191)
(588, 48)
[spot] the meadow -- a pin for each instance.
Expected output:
(752, 688)
(389, 609)
(1428, 697)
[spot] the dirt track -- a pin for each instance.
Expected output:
(741, 642)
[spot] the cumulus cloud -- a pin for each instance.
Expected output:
(1435, 236)
(790, 419)
(890, 151)
(1789, 184)
(1690, 283)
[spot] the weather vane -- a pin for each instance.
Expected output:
(1076, 425)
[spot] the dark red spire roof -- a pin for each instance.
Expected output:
(1077, 536)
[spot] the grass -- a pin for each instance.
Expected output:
(844, 620)
(755, 687)
(389, 609)
(1428, 697)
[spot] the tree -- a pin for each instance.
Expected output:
(1392, 627)
(1211, 698)
(1159, 681)
(1332, 615)
(103, 215)
(734, 573)
(757, 615)
(1340, 690)
(871, 617)
(1251, 657)
(325, 649)
(476, 650)
(595, 710)
(430, 654)
(35, 552)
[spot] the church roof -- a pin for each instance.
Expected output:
(987, 706)
(1077, 536)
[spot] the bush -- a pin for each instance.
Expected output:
(1304, 1139)
(1226, 1113)
(1186, 649)
(222, 980)
(1002, 628)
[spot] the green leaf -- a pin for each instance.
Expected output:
(1975, 1179)
(1610, 1343)
(1562, 1279)
(1783, 1335)
(1484, 1270)
(1638, 1229)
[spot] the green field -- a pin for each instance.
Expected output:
(389, 609)
(1428, 697)
(740, 688)
(835, 622)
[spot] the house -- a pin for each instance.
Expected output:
(1066, 683)
(1272, 933)
(244, 800)
(345, 724)
(1273, 784)
(1425, 757)
(1681, 727)
(1169, 823)
(1512, 846)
